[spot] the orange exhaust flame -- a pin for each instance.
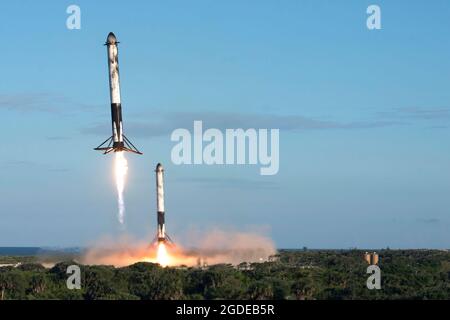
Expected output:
(162, 256)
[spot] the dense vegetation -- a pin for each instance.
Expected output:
(406, 274)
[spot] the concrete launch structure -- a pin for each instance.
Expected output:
(161, 235)
(118, 141)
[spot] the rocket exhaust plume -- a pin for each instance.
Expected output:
(120, 170)
(162, 256)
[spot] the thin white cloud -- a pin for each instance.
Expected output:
(164, 124)
(43, 102)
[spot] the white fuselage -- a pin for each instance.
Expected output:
(114, 91)
(160, 202)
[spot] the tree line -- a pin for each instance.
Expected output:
(293, 274)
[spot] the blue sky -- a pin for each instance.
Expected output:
(363, 116)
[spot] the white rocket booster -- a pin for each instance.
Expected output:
(118, 141)
(161, 235)
(114, 88)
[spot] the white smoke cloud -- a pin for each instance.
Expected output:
(211, 247)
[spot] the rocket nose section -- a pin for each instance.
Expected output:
(159, 167)
(111, 39)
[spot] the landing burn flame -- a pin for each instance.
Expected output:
(120, 171)
(162, 256)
